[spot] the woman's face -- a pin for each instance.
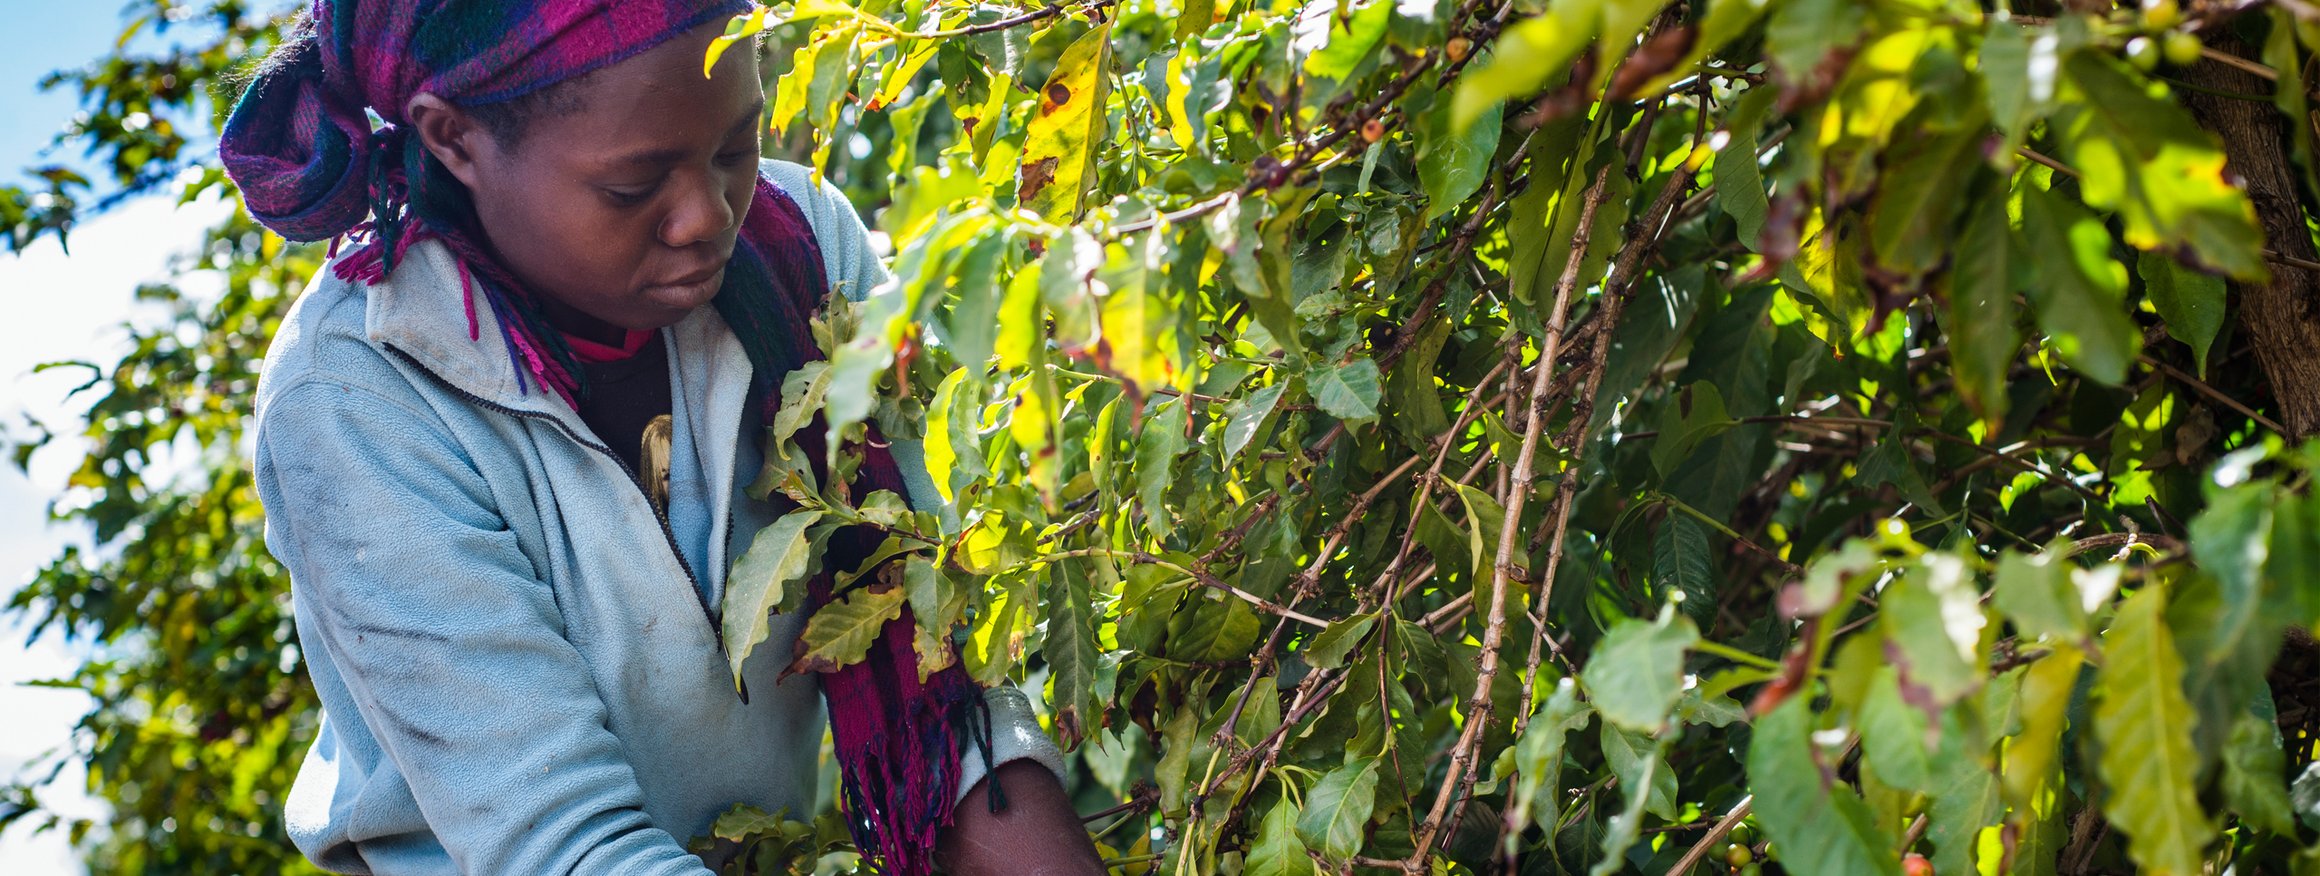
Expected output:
(623, 205)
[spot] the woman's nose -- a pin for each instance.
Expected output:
(704, 215)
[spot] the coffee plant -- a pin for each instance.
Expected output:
(1542, 436)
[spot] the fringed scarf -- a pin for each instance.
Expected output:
(311, 167)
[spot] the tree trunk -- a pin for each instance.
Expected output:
(2281, 317)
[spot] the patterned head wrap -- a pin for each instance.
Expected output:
(311, 166)
(300, 145)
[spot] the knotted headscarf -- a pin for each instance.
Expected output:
(312, 165)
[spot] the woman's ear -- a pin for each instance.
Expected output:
(451, 134)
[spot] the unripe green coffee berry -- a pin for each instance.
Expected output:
(2182, 49)
(2143, 53)
(2160, 15)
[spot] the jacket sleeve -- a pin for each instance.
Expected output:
(852, 266)
(448, 641)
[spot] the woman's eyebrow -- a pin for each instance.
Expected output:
(673, 154)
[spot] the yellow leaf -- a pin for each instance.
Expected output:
(1059, 148)
(2145, 724)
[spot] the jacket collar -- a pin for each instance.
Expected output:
(421, 310)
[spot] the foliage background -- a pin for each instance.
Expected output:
(1468, 436)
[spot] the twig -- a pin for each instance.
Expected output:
(1723, 828)
(1203, 578)
(1464, 757)
(2211, 392)
(2161, 543)
(1643, 238)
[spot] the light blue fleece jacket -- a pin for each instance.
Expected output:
(517, 658)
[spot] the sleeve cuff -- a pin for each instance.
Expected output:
(1015, 735)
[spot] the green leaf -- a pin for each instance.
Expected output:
(1559, 154)
(2189, 301)
(1539, 757)
(1636, 674)
(1336, 46)
(1913, 216)
(1060, 149)
(742, 822)
(1021, 343)
(1803, 32)
(2080, 296)
(2033, 756)
(1932, 613)
(1349, 391)
(936, 601)
(1245, 415)
(972, 322)
(802, 393)
(1212, 628)
(1646, 785)
(840, 634)
(1157, 447)
(954, 449)
(1640, 762)
(1413, 388)
(1979, 319)
(764, 582)
(1680, 563)
(1893, 734)
(1739, 184)
(2255, 772)
(1696, 414)
(1196, 17)
(2232, 541)
(1817, 827)
(1277, 851)
(1526, 58)
(1965, 800)
(1329, 649)
(2295, 551)
(1071, 649)
(1453, 161)
(2036, 593)
(2138, 153)
(1337, 810)
(2145, 726)
(1485, 522)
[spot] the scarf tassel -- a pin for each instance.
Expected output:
(899, 778)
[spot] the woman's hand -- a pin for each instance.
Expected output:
(1037, 835)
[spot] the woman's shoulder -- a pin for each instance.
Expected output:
(850, 252)
(824, 204)
(324, 339)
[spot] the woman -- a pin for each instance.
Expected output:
(570, 266)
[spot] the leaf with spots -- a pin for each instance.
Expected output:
(1059, 152)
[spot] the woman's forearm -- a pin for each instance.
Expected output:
(1037, 835)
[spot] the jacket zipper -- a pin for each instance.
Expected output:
(668, 532)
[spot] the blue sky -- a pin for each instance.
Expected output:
(63, 306)
(47, 35)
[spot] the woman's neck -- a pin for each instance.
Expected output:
(580, 325)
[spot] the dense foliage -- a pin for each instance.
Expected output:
(1547, 436)
(201, 709)
(1539, 436)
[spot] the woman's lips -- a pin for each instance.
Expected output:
(689, 292)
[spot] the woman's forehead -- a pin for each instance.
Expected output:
(657, 107)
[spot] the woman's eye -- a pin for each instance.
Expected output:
(627, 197)
(735, 157)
